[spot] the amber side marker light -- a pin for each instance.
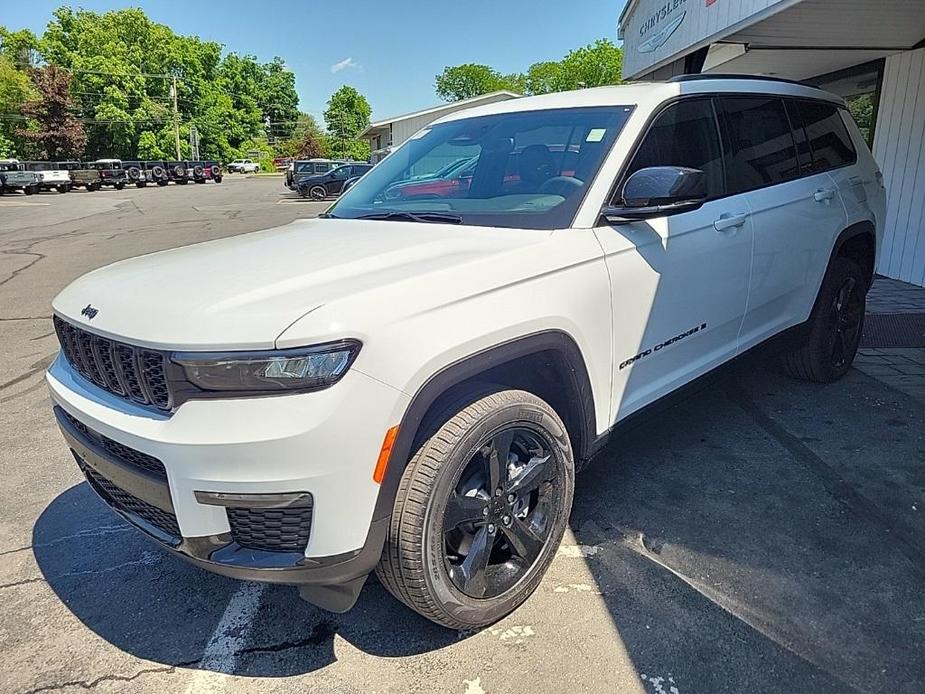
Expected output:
(384, 454)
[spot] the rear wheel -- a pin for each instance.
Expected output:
(835, 326)
(480, 511)
(120, 186)
(63, 188)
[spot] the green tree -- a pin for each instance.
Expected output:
(148, 147)
(346, 116)
(595, 65)
(57, 133)
(15, 89)
(19, 47)
(124, 66)
(466, 81)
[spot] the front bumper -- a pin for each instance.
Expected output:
(322, 446)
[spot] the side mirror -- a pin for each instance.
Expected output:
(658, 191)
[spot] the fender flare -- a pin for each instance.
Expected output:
(468, 368)
(864, 228)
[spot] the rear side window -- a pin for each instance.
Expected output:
(828, 137)
(684, 134)
(761, 149)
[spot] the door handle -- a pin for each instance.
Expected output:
(730, 221)
(823, 195)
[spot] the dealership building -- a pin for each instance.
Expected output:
(871, 52)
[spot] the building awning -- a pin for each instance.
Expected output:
(815, 37)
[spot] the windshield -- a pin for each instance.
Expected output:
(528, 169)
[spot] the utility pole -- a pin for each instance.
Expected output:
(176, 116)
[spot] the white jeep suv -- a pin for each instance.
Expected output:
(408, 384)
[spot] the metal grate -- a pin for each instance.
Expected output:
(894, 330)
(128, 456)
(121, 500)
(271, 529)
(130, 372)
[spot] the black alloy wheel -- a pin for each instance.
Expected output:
(318, 193)
(498, 518)
(847, 315)
(481, 507)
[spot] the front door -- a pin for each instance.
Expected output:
(679, 283)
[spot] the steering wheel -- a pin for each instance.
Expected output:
(561, 185)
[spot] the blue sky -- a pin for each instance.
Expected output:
(390, 50)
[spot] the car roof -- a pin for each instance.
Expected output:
(647, 95)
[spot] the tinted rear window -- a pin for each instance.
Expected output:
(828, 137)
(761, 148)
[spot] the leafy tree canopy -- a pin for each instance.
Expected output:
(346, 116)
(57, 133)
(471, 79)
(594, 65)
(124, 66)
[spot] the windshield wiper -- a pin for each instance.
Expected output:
(399, 216)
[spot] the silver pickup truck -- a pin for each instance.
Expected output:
(51, 175)
(14, 177)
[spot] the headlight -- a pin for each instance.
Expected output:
(300, 369)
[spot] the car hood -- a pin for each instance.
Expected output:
(243, 292)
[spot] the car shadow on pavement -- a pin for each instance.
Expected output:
(755, 537)
(763, 535)
(154, 606)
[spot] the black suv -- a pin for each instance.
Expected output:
(324, 185)
(178, 172)
(111, 172)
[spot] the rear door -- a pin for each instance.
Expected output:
(679, 282)
(795, 210)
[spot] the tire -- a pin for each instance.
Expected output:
(134, 173)
(28, 190)
(183, 181)
(162, 183)
(318, 193)
(63, 189)
(218, 179)
(140, 184)
(158, 172)
(835, 326)
(423, 568)
(120, 186)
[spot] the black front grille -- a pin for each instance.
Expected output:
(122, 453)
(121, 500)
(131, 372)
(271, 529)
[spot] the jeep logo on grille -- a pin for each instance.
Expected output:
(89, 312)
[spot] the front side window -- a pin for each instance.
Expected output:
(528, 169)
(828, 137)
(684, 134)
(761, 147)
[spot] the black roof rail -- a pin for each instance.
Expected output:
(732, 76)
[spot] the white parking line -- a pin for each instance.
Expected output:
(228, 638)
(17, 203)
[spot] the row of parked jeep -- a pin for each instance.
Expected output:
(63, 176)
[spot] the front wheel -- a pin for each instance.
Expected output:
(480, 511)
(318, 193)
(835, 326)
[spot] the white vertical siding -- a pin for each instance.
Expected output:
(899, 148)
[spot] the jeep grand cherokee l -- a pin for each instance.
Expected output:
(409, 386)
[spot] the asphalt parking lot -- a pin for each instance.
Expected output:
(765, 535)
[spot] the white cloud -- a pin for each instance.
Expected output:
(344, 64)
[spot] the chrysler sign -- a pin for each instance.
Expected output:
(658, 27)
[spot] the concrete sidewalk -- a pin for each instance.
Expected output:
(902, 368)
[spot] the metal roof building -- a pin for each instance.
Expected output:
(385, 135)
